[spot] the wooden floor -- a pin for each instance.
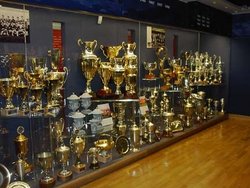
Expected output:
(218, 157)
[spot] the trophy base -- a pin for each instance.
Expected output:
(150, 76)
(165, 87)
(102, 94)
(104, 159)
(131, 96)
(47, 183)
(94, 166)
(9, 112)
(64, 176)
(79, 168)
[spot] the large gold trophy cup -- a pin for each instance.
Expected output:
(35, 79)
(118, 72)
(131, 68)
(105, 73)
(110, 52)
(55, 79)
(89, 61)
(104, 70)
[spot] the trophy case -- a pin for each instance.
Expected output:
(70, 115)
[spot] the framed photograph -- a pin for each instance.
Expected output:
(14, 25)
(155, 37)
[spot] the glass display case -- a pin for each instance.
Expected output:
(79, 99)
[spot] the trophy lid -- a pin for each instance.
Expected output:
(73, 97)
(78, 115)
(85, 95)
(96, 111)
(20, 137)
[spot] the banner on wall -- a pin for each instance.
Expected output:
(14, 25)
(155, 37)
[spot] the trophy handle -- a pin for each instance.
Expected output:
(103, 48)
(95, 44)
(124, 46)
(62, 122)
(80, 43)
(66, 70)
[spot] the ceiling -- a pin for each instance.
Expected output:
(230, 6)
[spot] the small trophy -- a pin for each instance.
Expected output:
(57, 128)
(45, 160)
(135, 138)
(21, 143)
(150, 67)
(105, 143)
(62, 155)
(77, 147)
(94, 152)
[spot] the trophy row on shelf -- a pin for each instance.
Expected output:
(29, 81)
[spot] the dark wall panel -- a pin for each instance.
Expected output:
(239, 90)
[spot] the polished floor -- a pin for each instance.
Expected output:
(218, 157)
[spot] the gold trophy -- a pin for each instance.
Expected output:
(105, 143)
(57, 128)
(22, 90)
(105, 73)
(45, 160)
(37, 72)
(17, 61)
(62, 155)
(7, 88)
(135, 138)
(110, 52)
(129, 49)
(119, 109)
(55, 79)
(21, 143)
(55, 82)
(55, 55)
(77, 147)
(94, 152)
(161, 53)
(89, 61)
(131, 76)
(118, 71)
(150, 67)
(36, 97)
(189, 112)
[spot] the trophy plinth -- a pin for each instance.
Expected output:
(64, 175)
(79, 167)
(47, 183)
